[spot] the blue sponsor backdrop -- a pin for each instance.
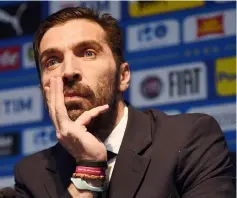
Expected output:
(164, 44)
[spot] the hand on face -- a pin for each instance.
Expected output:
(73, 135)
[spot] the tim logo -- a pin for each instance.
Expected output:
(17, 106)
(21, 105)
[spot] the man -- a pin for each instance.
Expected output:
(83, 75)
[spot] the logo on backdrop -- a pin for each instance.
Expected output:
(226, 76)
(28, 56)
(212, 25)
(14, 20)
(20, 106)
(111, 7)
(9, 144)
(146, 8)
(224, 114)
(173, 84)
(9, 58)
(222, 1)
(17, 20)
(151, 87)
(7, 181)
(152, 35)
(37, 139)
(172, 112)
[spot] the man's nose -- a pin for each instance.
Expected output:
(70, 77)
(70, 74)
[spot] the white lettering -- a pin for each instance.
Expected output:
(9, 58)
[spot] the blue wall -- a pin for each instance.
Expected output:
(182, 56)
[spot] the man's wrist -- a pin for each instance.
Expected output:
(100, 155)
(97, 158)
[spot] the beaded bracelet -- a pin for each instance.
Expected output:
(86, 176)
(90, 170)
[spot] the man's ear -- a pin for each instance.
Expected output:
(125, 76)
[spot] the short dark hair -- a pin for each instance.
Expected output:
(106, 21)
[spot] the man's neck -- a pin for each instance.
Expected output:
(103, 126)
(120, 112)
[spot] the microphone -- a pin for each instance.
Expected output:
(7, 192)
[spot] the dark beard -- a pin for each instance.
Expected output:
(105, 93)
(102, 125)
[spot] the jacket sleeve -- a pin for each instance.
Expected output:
(205, 169)
(20, 188)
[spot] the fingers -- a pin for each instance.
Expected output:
(47, 96)
(60, 108)
(52, 102)
(50, 98)
(86, 117)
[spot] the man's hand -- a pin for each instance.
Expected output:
(8, 192)
(73, 135)
(75, 193)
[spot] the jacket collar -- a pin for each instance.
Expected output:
(131, 164)
(60, 167)
(60, 159)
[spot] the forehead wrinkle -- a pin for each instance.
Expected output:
(67, 42)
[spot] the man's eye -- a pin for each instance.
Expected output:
(89, 53)
(51, 62)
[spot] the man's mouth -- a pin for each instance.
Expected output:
(75, 95)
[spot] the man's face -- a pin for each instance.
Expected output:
(77, 52)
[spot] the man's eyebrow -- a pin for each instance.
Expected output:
(47, 51)
(88, 44)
